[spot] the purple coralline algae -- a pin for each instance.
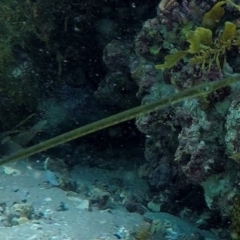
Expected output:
(170, 11)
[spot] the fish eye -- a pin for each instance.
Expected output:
(206, 88)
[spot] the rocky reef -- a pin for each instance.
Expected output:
(191, 149)
(194, 143)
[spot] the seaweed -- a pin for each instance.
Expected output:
(213, 17)
(204, 49)
(171, 60)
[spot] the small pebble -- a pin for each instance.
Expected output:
(48, 199)
(36, 226)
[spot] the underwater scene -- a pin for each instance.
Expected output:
(119, 120)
